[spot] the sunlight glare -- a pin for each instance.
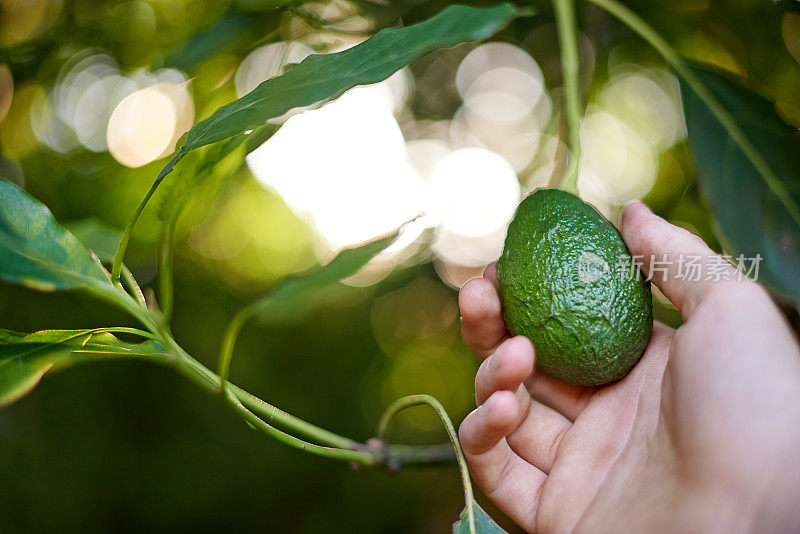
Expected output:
(343, 167)
(618, 165)
(473, 192)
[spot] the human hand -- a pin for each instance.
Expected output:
(703, 435)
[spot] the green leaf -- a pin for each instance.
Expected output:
(301, 291)
(483, 523)
(323, 76)
(25, 359)
(223, 158)
(37, 252)
(755, 214)
(22, 366)
(10, 336)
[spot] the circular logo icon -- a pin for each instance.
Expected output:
(591, 267)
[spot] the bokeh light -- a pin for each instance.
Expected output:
(250, 237)
(348, 170)
(617, 164)
(473, 192)
(636, 117)
(506, 106)
(17, 136)
(267, 62)
(343, 167)
(421, 310)
(6, 90)
(138, 116)
(417, 329)
(23, 20)
(493, 55)
(790, 29)
(648, 100)
(146, 124)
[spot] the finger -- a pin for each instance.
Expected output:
(490, 273)
(665, 252)
(509, 481)
(505, 369)
(566, 399)
(482, 326)
(485, 427)
(537, 437)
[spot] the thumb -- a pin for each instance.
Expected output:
(678, 262)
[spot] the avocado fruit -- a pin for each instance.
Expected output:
(566, 281)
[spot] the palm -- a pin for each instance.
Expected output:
(708, 408)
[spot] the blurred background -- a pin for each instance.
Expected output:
(94, 94)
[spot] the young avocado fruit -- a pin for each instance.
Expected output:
(566, 282)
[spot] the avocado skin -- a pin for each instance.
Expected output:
(587, 330)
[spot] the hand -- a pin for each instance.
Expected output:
(703, 435)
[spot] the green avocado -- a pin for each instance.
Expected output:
(566, 281)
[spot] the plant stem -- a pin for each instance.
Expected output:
(395, 456)
(646, 32)
(203, 376)
(571, 67)
(116, 266)
(266, 410)
(391, 455)
(417, 400)
(229, 339)
(165, 261)
(133, 286)
(261, 414)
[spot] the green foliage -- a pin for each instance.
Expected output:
(24, 359)
(323, 76)
(483, 523)
(753, 217)
(227, 157)
(37, 252)
(298, 292)
(22, 366)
